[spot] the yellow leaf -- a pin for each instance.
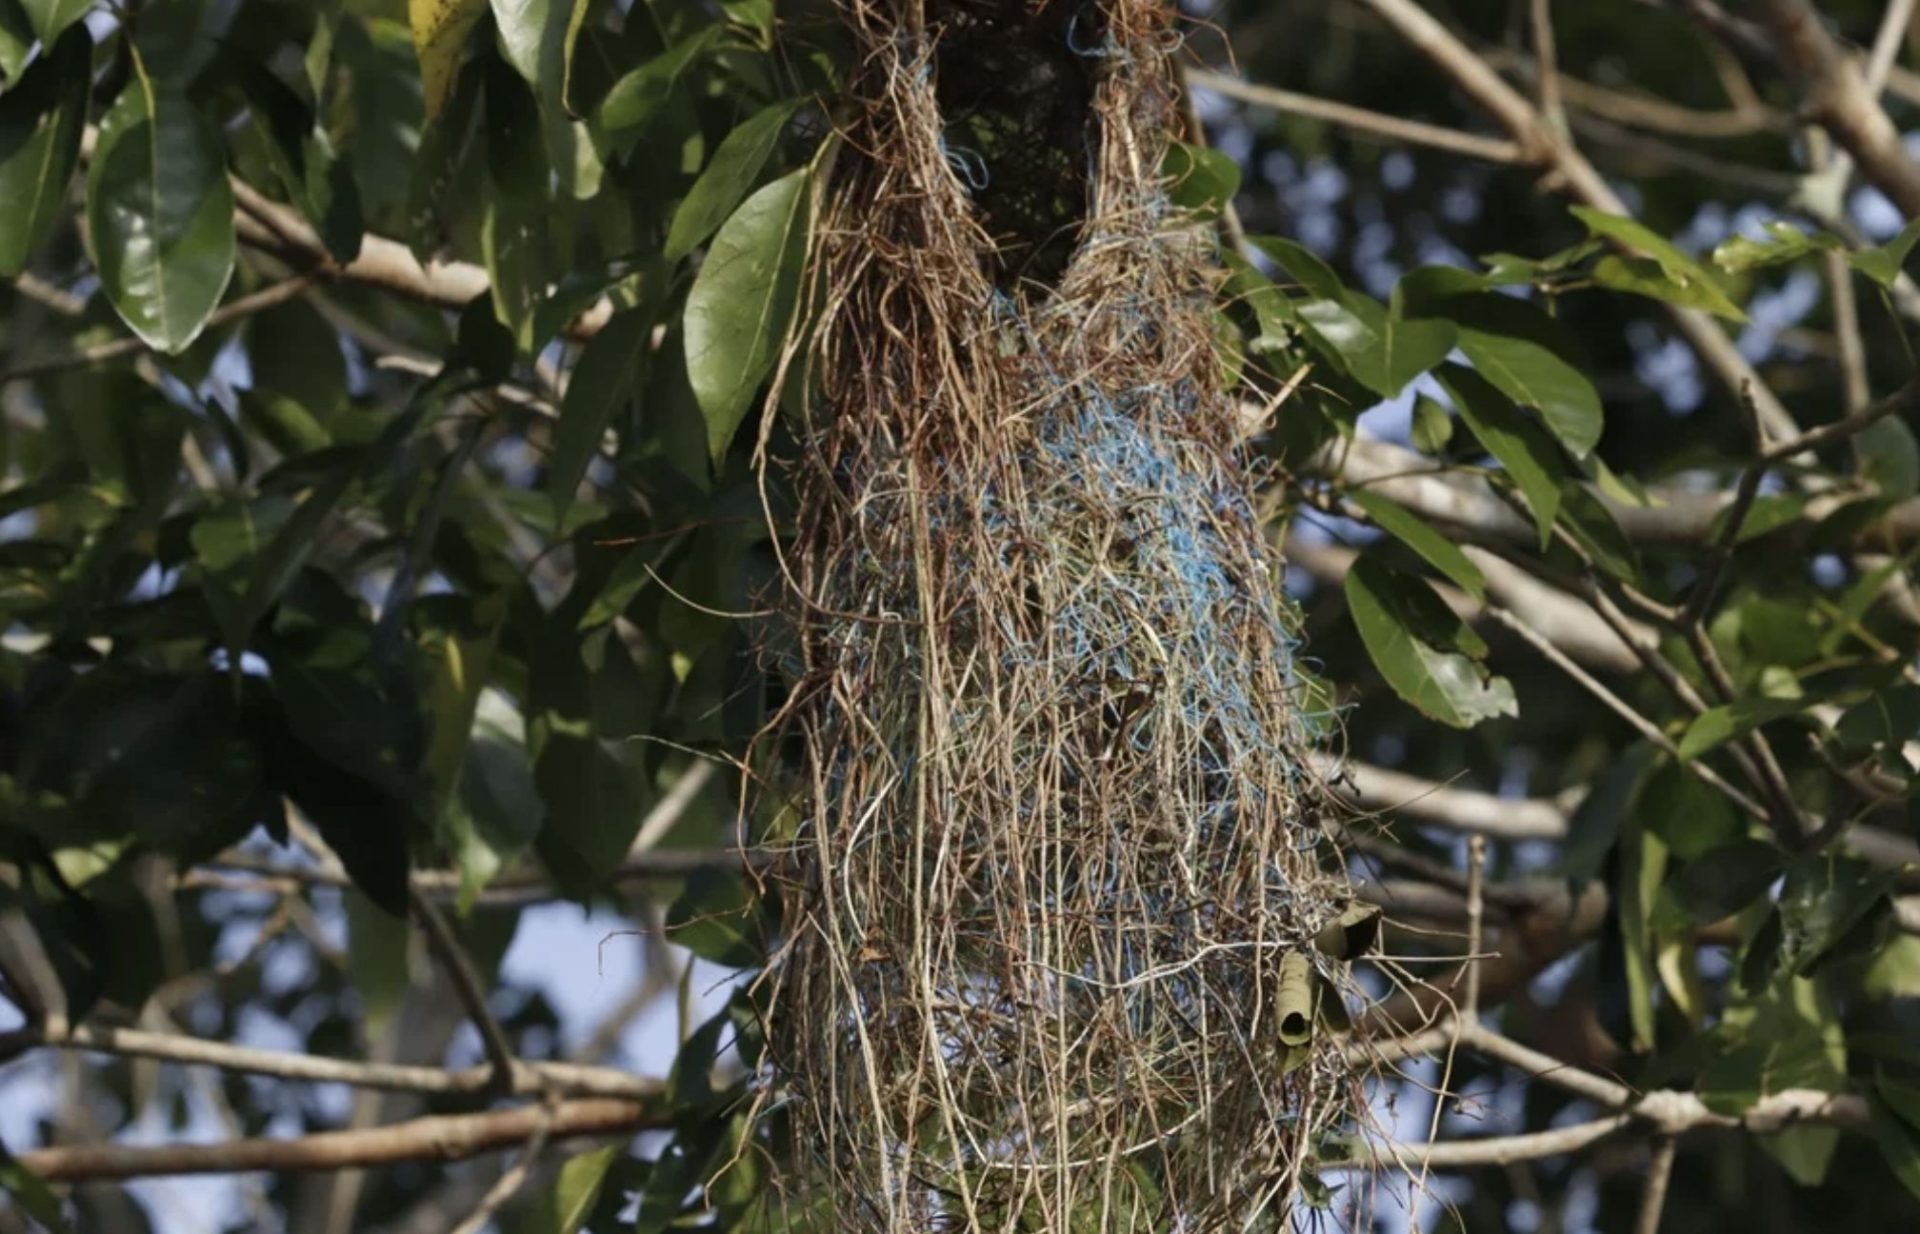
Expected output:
(440, 30)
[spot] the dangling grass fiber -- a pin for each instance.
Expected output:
(1052, 902)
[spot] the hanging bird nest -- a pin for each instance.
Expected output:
(1053, 903)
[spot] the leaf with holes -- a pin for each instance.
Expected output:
(1425, 652)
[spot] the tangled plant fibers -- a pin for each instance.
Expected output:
(1053, 904)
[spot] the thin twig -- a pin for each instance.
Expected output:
(132, 345)
(1360, 120)
(466, 982)
(1659, 1172)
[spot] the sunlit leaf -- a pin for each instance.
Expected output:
(160, 215)
(740, 306)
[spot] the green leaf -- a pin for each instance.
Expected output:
(31, 1193)
(525, 27)
(1889, 458)
(1691, 816)
(1407, 527)
(499, 811)
(1883, 263)
(717, 918)
(1432, 425)
(728, 178)
(41, 118)
(16, 41)
(602, 382)
(1679, 278)
(742, 301)
(378, 954)
(1200, 179)
(1889, 717)
(1314, 275)
(51, 17)
(1784, 243)
(639, 95)
(1643, 867)
(1530, 458)
(440, 29)
(1416, 640)
(1533, 375)
(160, 215)
(1719, 883)
(1899, 1143)
(1716, 726)
(575, 1193)
(318, 183)
(1640, 276)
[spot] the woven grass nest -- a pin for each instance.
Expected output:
(1053, 902)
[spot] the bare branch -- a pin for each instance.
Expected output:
(529, 1078)
(440, 1138)
(1839, 98)
(1653, 1201)
(1360, 120)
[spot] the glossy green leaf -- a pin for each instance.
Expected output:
(160, 216)
(1679, 279)
(1417, 643)
(1532, 375)
(1407, 527)
(1529, 457)
(728, 178)
(440, 30)
(1200, 179)
(743, 300)
(50, 18)
(41, 118)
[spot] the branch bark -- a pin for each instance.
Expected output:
(439, 1138)
(1839, 99)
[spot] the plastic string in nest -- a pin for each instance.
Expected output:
(1056, 887)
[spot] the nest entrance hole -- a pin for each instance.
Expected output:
(1015, 81)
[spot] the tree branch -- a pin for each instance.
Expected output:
(1519, 117)
(1839, 98)
(528, 1078)
(440, 1138)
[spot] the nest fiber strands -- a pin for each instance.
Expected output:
(1054, 895)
